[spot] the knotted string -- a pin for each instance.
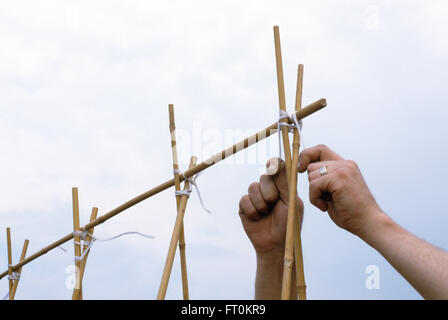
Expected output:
(187, 192)
(13, 276)
(296, 124)
(84, 233)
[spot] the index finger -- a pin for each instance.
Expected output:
(315, 154)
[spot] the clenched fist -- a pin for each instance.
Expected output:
(264, 210)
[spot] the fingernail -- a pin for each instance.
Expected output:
(271, 168)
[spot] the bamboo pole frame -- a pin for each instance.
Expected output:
(19, 271)
(182, 254)
(247, 142)
(174, 238)
(77, 294)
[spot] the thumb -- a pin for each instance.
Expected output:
(276, 168)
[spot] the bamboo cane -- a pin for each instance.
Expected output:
(298, 256)
(247, 142)
(22, 257)
(77, 294)
(10, 269)
(183, 258)
(76, 227)
(174, 239)
(288, 259)
(281, 97)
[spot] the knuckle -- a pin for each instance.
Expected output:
(242, 201)
(345, 172)
(245, 202)
(352, 164)
(322, 147)
(311, 167)
(253, 187)
(341, 173)
(271, 196)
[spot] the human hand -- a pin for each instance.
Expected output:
(342, 191)
(264, 210)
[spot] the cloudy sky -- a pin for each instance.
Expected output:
(84, 94)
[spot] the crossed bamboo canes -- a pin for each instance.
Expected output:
(80, 265)
(293, 244)
(178, 226)
(183, 259)
(259, 136)
(13, 283)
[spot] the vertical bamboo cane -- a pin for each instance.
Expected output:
(8, 241)
(298, 257)
(76, 239)
(281, 96)
(22, 257)
(77, 294)
(183, 258)
(289, 258)
(174, 239)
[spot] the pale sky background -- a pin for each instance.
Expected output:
(84, 89)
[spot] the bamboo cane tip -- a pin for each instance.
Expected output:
(74, 188)
(323, 102)
(275, 27)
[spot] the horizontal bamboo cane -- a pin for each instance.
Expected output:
(16, 282)
(261, 135)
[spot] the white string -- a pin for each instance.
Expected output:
(186, 192)
(14, 276)
(296, 124)
(83, 235)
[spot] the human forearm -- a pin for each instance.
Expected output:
(423, 265)
(268, 282)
